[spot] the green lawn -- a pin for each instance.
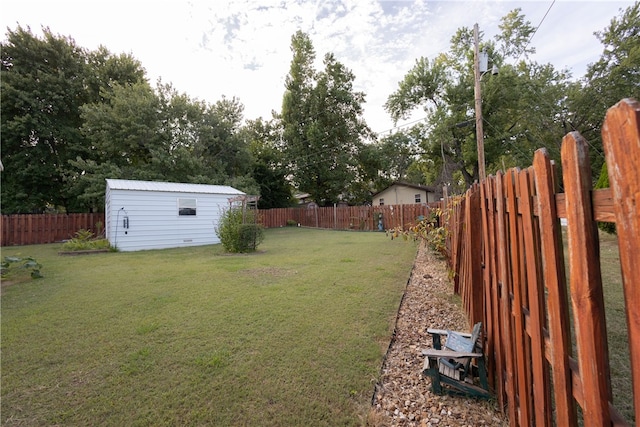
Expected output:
(617, 332)
(293, 335)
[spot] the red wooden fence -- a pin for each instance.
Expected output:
(46, 228)
(346, 217)
(505, 247)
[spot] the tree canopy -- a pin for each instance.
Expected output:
(323, 128)
(71, 117)
(525, 107)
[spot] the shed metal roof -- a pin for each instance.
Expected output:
(173, 187)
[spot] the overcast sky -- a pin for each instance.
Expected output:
(242, 47)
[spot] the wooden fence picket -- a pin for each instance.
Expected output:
(555, 283)
(621, 141)
(586, 283)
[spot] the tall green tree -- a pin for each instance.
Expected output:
(42, 90)
(137, 132)
(615, 76)
(45, 82)
(124, 130)
(322, 124)
(269, 167)
(523, 106)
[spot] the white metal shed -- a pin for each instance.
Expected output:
(156, 215)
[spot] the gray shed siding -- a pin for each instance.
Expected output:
(153, 218)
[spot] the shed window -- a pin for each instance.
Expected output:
(418, 198)
(381, 202)
(187, 206)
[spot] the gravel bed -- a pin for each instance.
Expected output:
(403, 396)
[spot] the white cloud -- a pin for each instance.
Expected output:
(241, 48)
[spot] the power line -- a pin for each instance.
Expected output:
(535, 31)
(400, 126)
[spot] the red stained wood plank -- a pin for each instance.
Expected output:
(621, 141)
(504, 279)
(555, 282)
(542, 409)
(586, 283)
(522, 362)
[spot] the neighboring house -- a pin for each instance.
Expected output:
(403, 193)
(155, 215)
(303, 198)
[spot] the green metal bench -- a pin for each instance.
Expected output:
(450, 365)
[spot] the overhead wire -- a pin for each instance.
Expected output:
(535, 31)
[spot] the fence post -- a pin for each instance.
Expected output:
(621, 141)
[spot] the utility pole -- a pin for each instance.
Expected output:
(478, 96)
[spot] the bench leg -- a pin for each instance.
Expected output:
(434, 373)
(482, 374)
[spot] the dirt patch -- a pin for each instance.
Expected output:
(403, 396)
(87, 252)
(267, 271)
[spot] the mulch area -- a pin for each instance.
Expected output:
(403, 396)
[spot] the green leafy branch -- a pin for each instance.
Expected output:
(430, 229)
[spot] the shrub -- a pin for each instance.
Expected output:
(428, 229)
(85, 241)
(236, 235)
(249, 237)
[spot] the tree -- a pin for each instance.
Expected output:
(122, 131)
(322, 124)
(72, 118)
(616, 75)
(269, 169)
(523, 106)
(45, 83)
(42, 89)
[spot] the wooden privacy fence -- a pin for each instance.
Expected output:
(505, 246)
(346, 217)
(46, 228)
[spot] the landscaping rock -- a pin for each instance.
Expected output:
(428, 303)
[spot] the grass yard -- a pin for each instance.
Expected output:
(617, 331)
(293, 335)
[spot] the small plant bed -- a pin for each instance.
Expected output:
(13, 265)
(84, 243)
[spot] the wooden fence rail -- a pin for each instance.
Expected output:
(46, 228)
(505, 247)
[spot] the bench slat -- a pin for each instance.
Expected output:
(449, 354)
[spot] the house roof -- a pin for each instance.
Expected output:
(426, 188)
(172, 187)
